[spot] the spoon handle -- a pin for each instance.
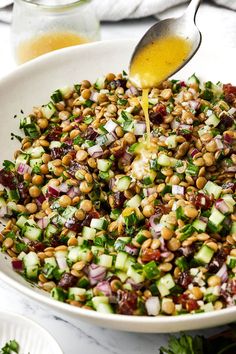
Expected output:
(191, 10)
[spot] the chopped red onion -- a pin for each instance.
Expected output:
(194, 104)
(79, 119)
(110, 126)
(135, 286)
(222, 273)
(132, 91)
(17, 265)
(3, 211)
(96, 273)
(231, 111)
(192, 90)
(222, 206)
(153, 306)
(95, 151)
(62, 264)
(112, 183)
(64, 187)
(228, 138)
(126, 158)
(139, 128)
(174, 124)
(151, 191)
(219, 144)
(185, 127)
(40, 199)
(43, 223)
(163, 245)
(154, 223)
(104, 287)
(177, 189)
(73, 192)
(165, 254)
(53, 191)
(132, 250)
(94, 96)
(194, 152)
(231, 169)
(23, 168)
(111, 137)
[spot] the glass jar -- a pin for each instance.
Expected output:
(41, 26)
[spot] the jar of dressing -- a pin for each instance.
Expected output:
(41, 26)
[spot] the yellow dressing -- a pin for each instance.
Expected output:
(153, 64)
(158, 60)
(144, 104)
(45, 43)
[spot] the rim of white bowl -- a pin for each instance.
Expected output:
(194, 319)
(35, 324)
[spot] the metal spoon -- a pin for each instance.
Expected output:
(183, 26)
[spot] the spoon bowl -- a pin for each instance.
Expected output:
(182, 27)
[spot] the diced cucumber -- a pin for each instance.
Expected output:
(134, 202)
(233, 228)
(37, 152)
(77, 294)
(120, 242)
(96, 250)
(104, 308)
(48, 110)
(58, 294)
(213, 188)
(3, 204)
(121, 259)
(77, 253)
(229, 200)
(88, 233)
(204, 255)
(96, 300)
(33, 233)
(69, 212)
(50, 265)
(50, 230)
(164, 160)
(25, 121)
(171, 141)
(105, 260)
(122, 275)
(135, 274)
(208, 307)
(123, 183)
(193, 80)
(21, 221)
(212, 293)
(54, 144)
(99, 224)
(36, 163)
(100, 83)
(216, 217)
(164, 284)
(31, 263)
(65, 91)
(149, 179)
(21, 158)
(61, 257)
(103, 165)
(199, 225)
(231, 262)
(212, 121)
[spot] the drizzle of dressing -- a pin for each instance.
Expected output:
(153, 64)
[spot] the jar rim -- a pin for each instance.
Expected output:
(47, 6)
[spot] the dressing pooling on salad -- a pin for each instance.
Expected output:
(98, 229)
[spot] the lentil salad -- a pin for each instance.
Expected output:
(102, 222)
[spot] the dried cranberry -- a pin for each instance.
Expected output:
(56, 153)
(89, 217)
(202, 201)
(191, 305)
(23, 190)
(182, 300)
(17, 265)
(217, 261)
(8, 179)
(54, 134)
(67, 281)
(149, 254)
(127, 302)
(74, 167)
(117, 83)
(90, 134)
(72, 224)
(119, 199)
(37, 246)
(226, 121)
(185, 279)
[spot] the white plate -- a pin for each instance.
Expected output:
(31, 337)
(31, 85)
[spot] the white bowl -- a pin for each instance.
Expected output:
(31, 85)
(31, 337)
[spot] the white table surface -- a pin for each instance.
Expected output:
(218, 27)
